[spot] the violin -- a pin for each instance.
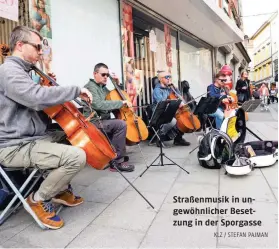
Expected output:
(136, 128)
(80, 132)
(187, 122)
(231, 102)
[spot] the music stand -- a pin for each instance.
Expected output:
(163, 114)
(206, 106)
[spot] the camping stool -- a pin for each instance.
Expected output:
(35, 175)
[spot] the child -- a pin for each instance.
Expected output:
(264, 95)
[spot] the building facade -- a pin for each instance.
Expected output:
(265, 52)
(137, 39)
(235, 55)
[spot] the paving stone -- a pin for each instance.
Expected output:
(88, 175)
(265, 212)
(162, 233)
(105, 189)
(249, 186)
(131, 212)
(14, 225)
(187, 190)
(116, 216)
(200, 175)
(76, 220)
(271, 175)
(107, 237)
(155, 181)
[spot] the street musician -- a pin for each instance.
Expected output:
(115, 128)
(217, 90)
(161, 93)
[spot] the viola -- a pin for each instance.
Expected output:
(80, 132)
(136, 128)
(187, 122)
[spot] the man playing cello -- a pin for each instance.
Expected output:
(115, 128)
(161, 93)
(24, 140)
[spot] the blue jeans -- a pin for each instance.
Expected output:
(219, 117)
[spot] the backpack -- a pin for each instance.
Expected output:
(217, 146)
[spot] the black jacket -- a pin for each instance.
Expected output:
(241, 83)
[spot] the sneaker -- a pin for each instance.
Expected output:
(45, 212)
(123, 166)
(67, 198)
(180, 141)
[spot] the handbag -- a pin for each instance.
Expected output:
(241, 97)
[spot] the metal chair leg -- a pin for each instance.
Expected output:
(18, 194)
(4, 215)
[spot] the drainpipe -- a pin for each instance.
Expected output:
(271, 51)
(214, 61)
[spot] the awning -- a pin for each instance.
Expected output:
(203, 18)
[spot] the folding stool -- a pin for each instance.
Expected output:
(9, 210)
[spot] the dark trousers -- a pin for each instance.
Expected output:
(116, 131)
(273, 98)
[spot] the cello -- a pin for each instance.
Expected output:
(136, 128)
(187, 122)
(80, 132)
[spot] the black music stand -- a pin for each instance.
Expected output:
(206, 106)
(163, 114)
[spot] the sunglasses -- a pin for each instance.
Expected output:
(104, 74)
(167, 77)
(39, 47)
(223, 80)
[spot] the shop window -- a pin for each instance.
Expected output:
(149, 46)
(268, 50)
(195, 64)
(274, 48)
(269, 69)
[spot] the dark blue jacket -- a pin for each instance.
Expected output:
(215, 91)
(161, 93)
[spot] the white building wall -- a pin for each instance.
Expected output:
(84, 33)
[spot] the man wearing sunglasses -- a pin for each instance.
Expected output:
(115, 128)
(24, 139)
(161, 93)
(217, 90)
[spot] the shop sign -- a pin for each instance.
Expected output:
(9, 9)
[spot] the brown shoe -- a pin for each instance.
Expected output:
(45, 212)
(68, 199)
